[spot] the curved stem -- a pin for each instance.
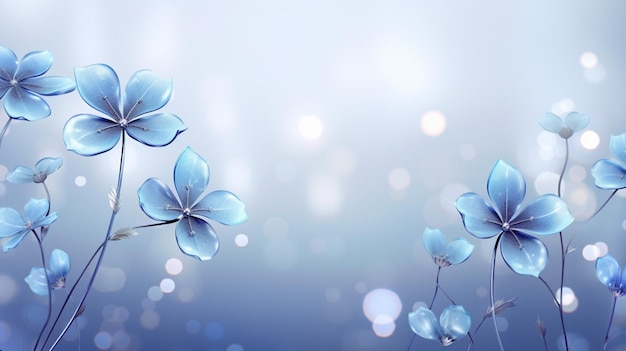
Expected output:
(560, 300)
(563, 169)
(491, 291)
(432, 301)
(604, 204)
(43, 262)
(556, 301)
(45, 187)
(4, 130)
(608, 328)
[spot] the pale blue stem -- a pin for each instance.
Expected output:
(603, 205)
(4, 130)
(563, 253)
(43, 262)
(491, 291)
(608, 328)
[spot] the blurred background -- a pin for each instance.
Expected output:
(346, 127)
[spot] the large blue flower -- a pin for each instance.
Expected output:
(444, 255)
(21, 84)
(611, 174)
(454, 323)
(16, 226)
(565, 128)
(610, 274)
(39, 278)
(514, 224)
(43, 168)
(99, 86)
(194, 235)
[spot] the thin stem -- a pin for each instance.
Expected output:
(604, 204)
(432, 301)
(560, 301)
(552, 294)
(4, 130)
(43, 262)
(156, 224)
(45, 187)
(608, 328)
(491, 292)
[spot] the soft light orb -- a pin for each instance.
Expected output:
(310, 127)
(590, 140)
(174, 266)
(433, 123)
(588, 60)
(381, 302)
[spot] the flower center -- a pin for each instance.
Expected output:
(39, 177)
(186, 212)
(13, 82)
(566, 132)
(446, 340)
(441, 261)
(506, 226)
(123, 123)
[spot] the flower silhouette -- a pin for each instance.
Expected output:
(611, 174)
(43, 168)
(99, 86)
(609, 273)
(194, 235)
(444, 255)
(16, 226)
(39, 278)
(21, 84)
(454, 323)
(514, 224)
(565, 128)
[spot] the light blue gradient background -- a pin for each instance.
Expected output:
(245, 73)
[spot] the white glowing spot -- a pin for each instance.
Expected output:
(333, 294)
(588, 60)
(591, 252)
(590, 140)
(241, 240)
(381, 302)
(8, 290)
(109, 279)
(577, 173)
(568, 296)
(546, 183)
(546, 140)
(80, 181)
(155, 293)
(384, 326)
(603, 249)
(103, 340)
(467, 152)
(419, 304)
(399, 178)
(433, 123)
(149, 319)
(563, 107)
(572, 306)
(174, 266)
(275, 228)
(310, 127)
(324, 195)
(167, 285)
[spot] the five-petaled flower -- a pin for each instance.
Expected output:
(39, 278)
(444, 255)
(194, 235)
(611, 174)
(565, 128)
(610, 274)
(21, 84)
(43, 168)
(99, 86)
(454, 323)
(16, 226)
(513, 224)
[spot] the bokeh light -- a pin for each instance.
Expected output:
(241, 240)
(80, 181)
(214, 331)
(110, 279)
(433, 123)
(589, 140)
(594, 251)
(399, 178)
(310, 127)
(103, 340)
(167, 285)
(324, 195)
(384, 326)
(588, 60)
(174, 266)
(381, 302)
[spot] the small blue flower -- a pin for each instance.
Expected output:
(21, 84)
(611, 174)
(194, 235)
(444, 255)
(39, 278)
(514, 224)
(572, 123)
(609, 273)
(43, 168)
(99, 86)
(16, 226)
(454, 323)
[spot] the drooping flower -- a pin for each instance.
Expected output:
(444, 255)
(99, 86)
(565, 128)
(610, 274)
(22, 84)
(195, 236)
(454, 323)
(39, 278)
(611, 174)
(43, 168)
(513, 224)
(16, 226)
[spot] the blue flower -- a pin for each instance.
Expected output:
(194, 235)
(43, 168)
(39, 278)
(444, 255)
(21, 84)
(609, 273)
(572, 123)
(16, 226)
(611, 174)
(99, 86)
(514, 224)
(454, 323)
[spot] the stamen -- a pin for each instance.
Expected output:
(519, 243)
(105, 98)
(135, 105)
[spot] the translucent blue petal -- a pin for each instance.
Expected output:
(59, 263)
(146, 92)
(479, 218)
(34, 64)
(48, 85)
(424, 323)
(547, 214)
(20, 103)
(4, 87)
(455, 322)
(618, 146)
(523, 253)
(48, 165)
(551, 122)
(191, 176)
(609, 174)
(35, 209)
(47, 220)
(90, 135)
(156, 130)
(434, 242)
(14, 241)
(8, 64)
(196, 238)
(157, 201)
(576, 121)
(222, 206)
(37, 281)
(506, 187)
(608, 271)
(11, 222)
(99, 86)
(20, 175)
(459, 250)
